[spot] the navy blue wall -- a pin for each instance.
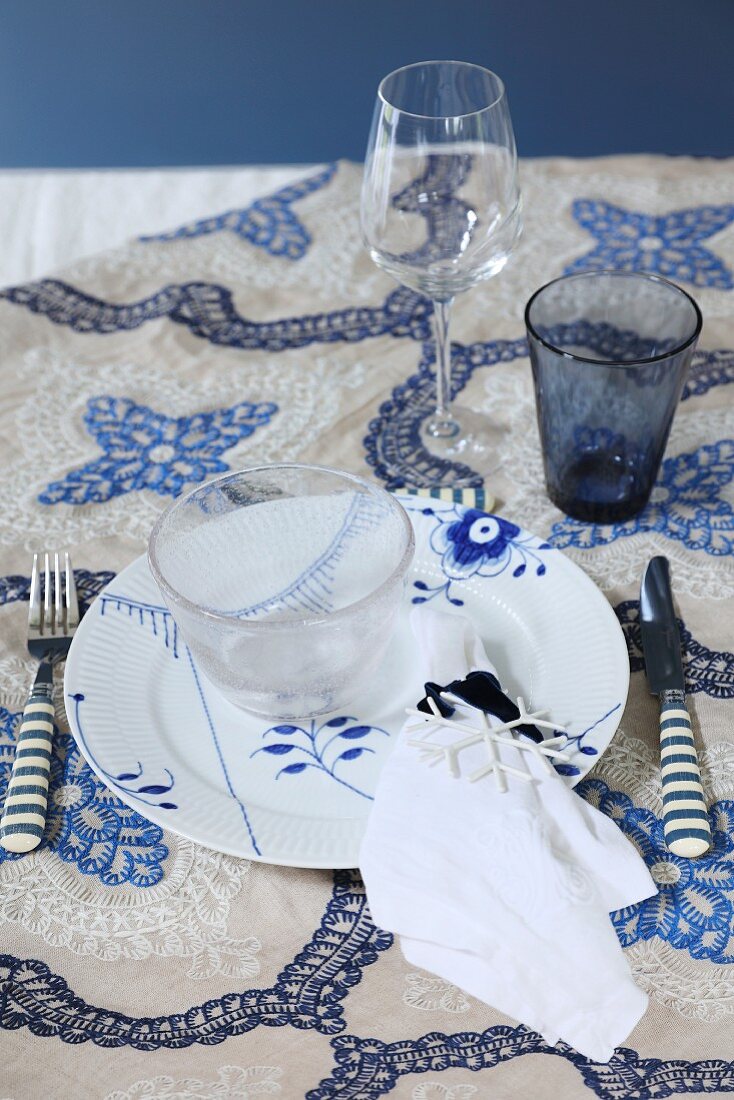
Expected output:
(154, 82)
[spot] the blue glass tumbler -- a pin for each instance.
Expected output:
(609, 352)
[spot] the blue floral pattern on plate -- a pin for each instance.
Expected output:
(143, 449)
(575, 742)
(314, 739)
(687, 505)
(667, 244)
(473, 543)
(129, 781)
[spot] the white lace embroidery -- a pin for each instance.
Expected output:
(185, 916)
(335, 269)
(697, 989)
(336, 266)
(16, 676)
(309, 401)
(550, 230)
(435, 1090)
(429, 994)
(232, 1083)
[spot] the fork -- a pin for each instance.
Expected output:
(51, 626)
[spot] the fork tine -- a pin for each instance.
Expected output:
(72, 605)
(34, 606)
(58, 598)
(47, 624)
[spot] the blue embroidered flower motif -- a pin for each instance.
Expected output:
(669, 244)
(143, 449)
(707, 670)
(686, 505)
(86, 824)
(694, 907)
(471, 543)
(268, 223)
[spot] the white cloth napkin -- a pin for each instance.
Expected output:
(506, 895)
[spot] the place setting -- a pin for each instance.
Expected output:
(308, 669)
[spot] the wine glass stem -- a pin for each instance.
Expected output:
(442, 425)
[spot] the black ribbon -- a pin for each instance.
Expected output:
(482, 691)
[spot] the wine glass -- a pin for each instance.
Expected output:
(441, 209)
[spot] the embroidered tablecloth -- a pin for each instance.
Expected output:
(137, 963)
(50, 217)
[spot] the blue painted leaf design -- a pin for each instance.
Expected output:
(540, 571)
(293, 769)
(452, 599)
(544, 546)
(129, 775)
(588, 750)
(567, 769)
(352, 754)
(520, 570)
(154, 788)
(168, 805)
(335, 723)
(284, 729)
(420, 585)
(420, 599)
(356, 732)
(278, 750)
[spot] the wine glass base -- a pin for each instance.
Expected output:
(464, 434)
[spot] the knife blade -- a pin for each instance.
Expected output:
(685, 819)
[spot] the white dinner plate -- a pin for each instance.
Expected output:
(298, 792)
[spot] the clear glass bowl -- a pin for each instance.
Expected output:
(284, 581)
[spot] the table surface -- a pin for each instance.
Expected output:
(140, 964)
(50, 218)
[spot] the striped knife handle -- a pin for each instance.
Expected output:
(685, 819)
(478, 498)
(24, 812)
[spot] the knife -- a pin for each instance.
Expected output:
(685, 820)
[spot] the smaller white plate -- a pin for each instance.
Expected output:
(298, 792)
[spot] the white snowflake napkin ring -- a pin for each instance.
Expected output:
(493, 737)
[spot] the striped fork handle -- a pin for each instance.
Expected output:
(24, 812)
(685, 820)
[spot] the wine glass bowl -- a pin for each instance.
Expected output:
(441, 205)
